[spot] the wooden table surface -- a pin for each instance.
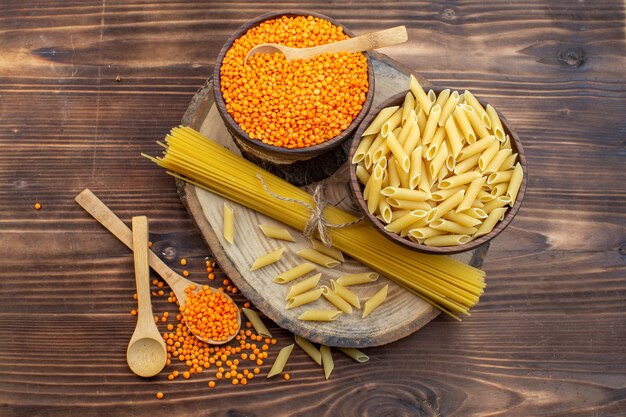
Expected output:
(85, 86)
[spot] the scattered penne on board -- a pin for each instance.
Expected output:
(267, 259)
(274, 232)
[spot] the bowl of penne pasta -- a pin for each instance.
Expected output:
(438, 171)
(281, 111)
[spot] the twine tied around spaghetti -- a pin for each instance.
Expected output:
(317, 222)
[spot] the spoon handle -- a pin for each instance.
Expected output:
(142, 274)
(367, 42)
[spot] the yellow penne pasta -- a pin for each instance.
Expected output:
(304, 298)
(424, 182)
(416, 167)
(319, 258)
(375, 301)
(257, 323)
(399, 204)
(448, 107)
(355, 354)
(320, 315)
(391, 123)
(303, 286)
(413, 138)
(405, 194)
(447, 240)
(476, 147)
(478, 109)
(281, 361)
(374, 185)
(488, 154)
(460, 117)
(508, 163)
(498, 190)
(441, 195)
(471, 194)
(435, 143)
(336, 300)
(476, 213)
(407, 107)
(403, 176)
(404, 221)
(380, 120)
(392, 171)
(452, 227)
(401, 157)
(368, 159)
(345, 293)
(490, 222)
(431, 125)
(499, 176)
(267, 259)
(497, 162)
(420, 96)
(364, 145)
(384, 209)
(515, 183)
(507, 142)
(362, 174)
(466, 164)
(443, 173)
(332, 252)
(442, 98)
(356, 279)
(229, 224)
(274, 232)
(453, 137)
(438, 161)
(445, 206)
(294, 273)
(485, 196)
(450, 163)
(462, 219)
(496, 123)
(309, 349)
(422, 233)
(458, 180)
(498, 202)
(406, 128)
(327, 361)
(432, 96)
(421, 120)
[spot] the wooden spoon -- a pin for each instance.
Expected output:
(368, 42)
(88, 201)
(146, 354)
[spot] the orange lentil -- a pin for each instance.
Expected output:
(274, 341)
(249, 325)
(252, 356)
(235, 381)
(293, 104)
(219, 375)
(268, 341)
(259, 362)
(135, 296)
(211, 384)
(170, 377)
(37, 205)
(155, 281)
(211, 276)
(133, 312)
(244, 381)
(160, 284)
(226, 282)
(159, 395)
(256, 370)
(160, 293)
(244, 356)
(186, 375)
(149, 243)
(185, 273)
(183, 261)
(287, 377)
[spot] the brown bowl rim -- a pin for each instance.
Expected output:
(355, 186)
(315, 149)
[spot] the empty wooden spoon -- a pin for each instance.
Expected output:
(368, 42)
(146, 354)
(88, 201)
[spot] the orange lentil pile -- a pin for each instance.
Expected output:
(210, 314)
(299, 103)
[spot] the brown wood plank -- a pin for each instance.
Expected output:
(547, 338)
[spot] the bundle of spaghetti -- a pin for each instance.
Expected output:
(447, 284)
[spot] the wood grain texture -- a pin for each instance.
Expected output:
(547, 339)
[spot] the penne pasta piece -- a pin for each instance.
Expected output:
(445, 206)
(478, 204)
(442, 98)
(471, 195)
(327, 361)
(443, 173)
(450, 163)
(497, 162)
(406, 129)
(423, 233)
(421, 120)
(515, 183)
(404, 176)
(452, 227)
(309, 349)
(460, 117)
(336, 300)
(396, 214)
(432, 96)
(498, 190)
(375, 301)
(274, 232)
(458, 180)
(431, 125)
(384, 210)
(499, 176)
(369, 155)
(420, 96)
(281, 361)
(441, 195)
(407, 107)
(318, 258)
(345, 293)
(455, 142)
(424, 182)
(294, 273)
(362, 174)
(355, 354)
(488, 154)
(364, 145)
(496, 123)
(498, 202)
(406, 220)
(332, 252)
(420, 223)
(303, 286)
(356, 279)
(304, 298)
(415, 169)
(476, 147)
(391, 123)
(484, 196)
(438, 161)
(392, 170)
(257, 323)
(379, 120)
(507, 142)
(478, 109)
(229, 224)
(407, 205)
(319, 315)
(448, 107)
(476, 213)
(490, 222)
(267, 259)
(413, 137)
(374, 185)
(466, 164)
(508, 163)
(462, 219)
(405, 194)
(401, 157)
(447, 240)
(435, 143)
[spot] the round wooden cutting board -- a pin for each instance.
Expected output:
(402, 313)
